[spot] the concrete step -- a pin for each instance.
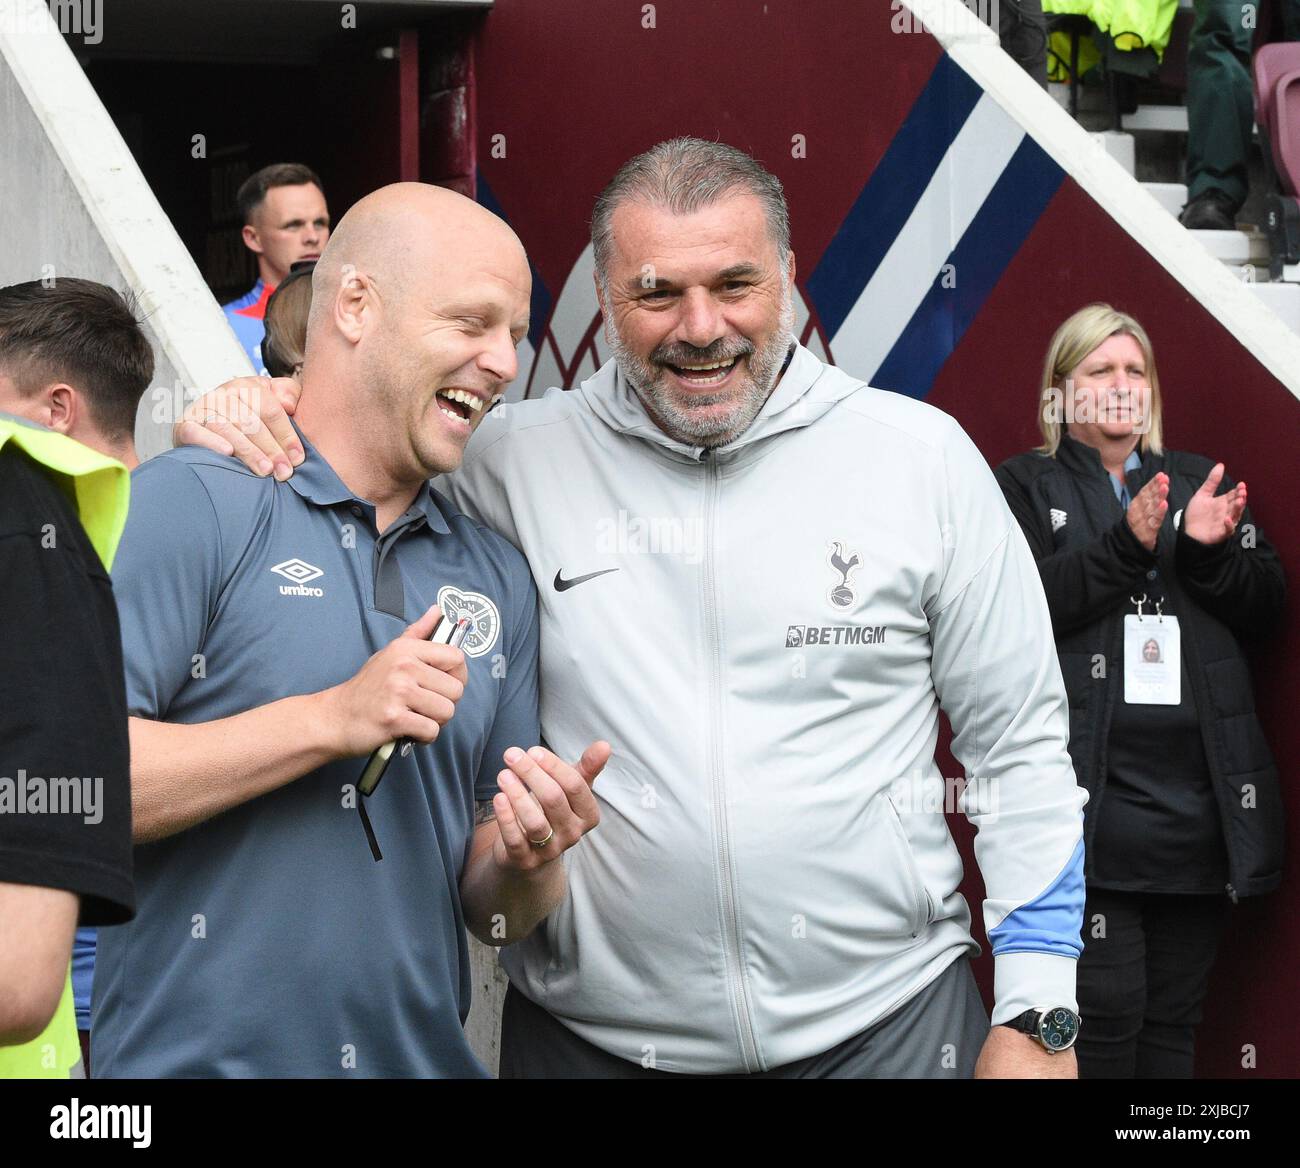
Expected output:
(1170, 119)
(1166, 119)
(1092, 98)
(1235, 248)
(1247, 244)
(1245, 253)
(1119, 146)
(1283, 299)
(1171, 196)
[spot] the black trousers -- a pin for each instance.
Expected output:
(1141, 984)
(936, 1034)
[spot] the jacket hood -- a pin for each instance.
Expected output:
(806, 390)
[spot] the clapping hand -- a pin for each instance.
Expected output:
(1147, 510)
(1211, 518)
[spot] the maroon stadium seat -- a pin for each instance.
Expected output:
(1277, 105)
(1277, 111)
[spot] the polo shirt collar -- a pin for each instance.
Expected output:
(315, 480)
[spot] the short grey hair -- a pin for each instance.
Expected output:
(683, 175)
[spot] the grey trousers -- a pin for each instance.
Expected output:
(935, 1034)
(1022, 30)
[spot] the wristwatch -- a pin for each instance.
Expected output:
(1054, 1027)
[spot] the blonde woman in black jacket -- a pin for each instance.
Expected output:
(1155, 573)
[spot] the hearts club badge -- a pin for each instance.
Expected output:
(484, 619)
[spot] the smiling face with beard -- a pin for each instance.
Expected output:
(699, 314)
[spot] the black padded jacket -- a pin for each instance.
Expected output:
(1224, 594)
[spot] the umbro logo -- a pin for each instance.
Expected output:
(1058, 518)
(301, 573)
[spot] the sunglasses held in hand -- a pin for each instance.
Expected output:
(378, 762)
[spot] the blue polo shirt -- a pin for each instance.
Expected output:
(246, 316)
(267, 941)
(1131, 463)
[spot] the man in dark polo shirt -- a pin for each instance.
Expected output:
(277, 633)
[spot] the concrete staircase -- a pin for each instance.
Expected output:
(1244, 250)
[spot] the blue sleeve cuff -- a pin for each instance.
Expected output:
(1050, 923)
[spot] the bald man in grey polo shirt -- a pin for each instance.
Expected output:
(276, 633)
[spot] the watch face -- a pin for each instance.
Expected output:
(1058, 1028)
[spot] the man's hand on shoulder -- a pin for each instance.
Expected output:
(247, 417)
(1008, 1054)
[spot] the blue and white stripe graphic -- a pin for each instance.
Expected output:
(949, 205)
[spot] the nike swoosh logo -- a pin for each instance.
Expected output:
(563, 585)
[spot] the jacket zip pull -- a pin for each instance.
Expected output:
(1232, 892)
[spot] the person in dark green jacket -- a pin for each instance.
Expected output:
(1221, 108)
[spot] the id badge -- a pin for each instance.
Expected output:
(1152, 661)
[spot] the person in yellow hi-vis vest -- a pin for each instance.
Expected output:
(65, 817)
(1126, 26)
